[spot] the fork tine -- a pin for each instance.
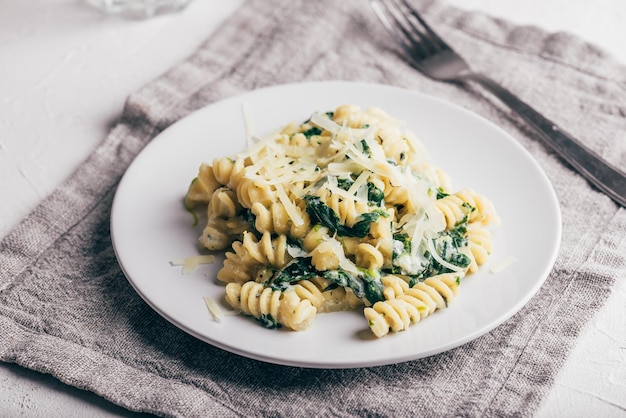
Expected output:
(397, 30)
(408, 29)
(406, 39)
(431, 33)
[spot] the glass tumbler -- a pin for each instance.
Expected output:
(139, 9)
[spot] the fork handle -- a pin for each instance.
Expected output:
(589, 164)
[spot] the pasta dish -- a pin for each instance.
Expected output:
(345, 210)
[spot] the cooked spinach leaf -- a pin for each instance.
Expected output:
(268, 321)
(322, 214)
(365, 285)
(249, 217)
(441, 194)
(449, 244)
(374, 194)
(373, 287)
(345, 184)
(366, 148)
(294, 271)
(312, 131)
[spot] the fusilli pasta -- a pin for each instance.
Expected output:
(343, 210)
(271, 307)
(405, 306)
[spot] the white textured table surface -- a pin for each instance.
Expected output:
(65, 71)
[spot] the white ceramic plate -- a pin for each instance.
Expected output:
(149, 226)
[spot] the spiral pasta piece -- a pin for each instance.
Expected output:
(267, 250)
(480, 246)
(314, 237)
(397, 195)
(327, 255)
(218, 233)
(350, 116)
(391, 316)
(251, 257)
(381, 233)
(484, 213)
(324, 297)
(309, 290)
(393, 286)
(223, 204)
(298, 140)
(275, 220)
(369, 256)
(229, 172)
(446, 285)
(349, 211)
(453, 210)
(468, 203)
(339, 299)
(285, 308)
(202, 187)
(413, 304)
(382, 229)
(249, 192)
(295, 313)
(238, 266)
(393, 143)
(223, 223)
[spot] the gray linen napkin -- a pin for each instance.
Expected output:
(66, 308)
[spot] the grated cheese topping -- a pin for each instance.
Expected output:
(216, 310)
(503, 264)
(352, 150)
(190, 264)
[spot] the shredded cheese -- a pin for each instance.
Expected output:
(334, 189)
(358, 182)
(190, 264)
(290, 207)
(216, 310)
(503, 264)
(436, 256)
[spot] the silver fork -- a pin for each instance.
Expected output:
(435, 58)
